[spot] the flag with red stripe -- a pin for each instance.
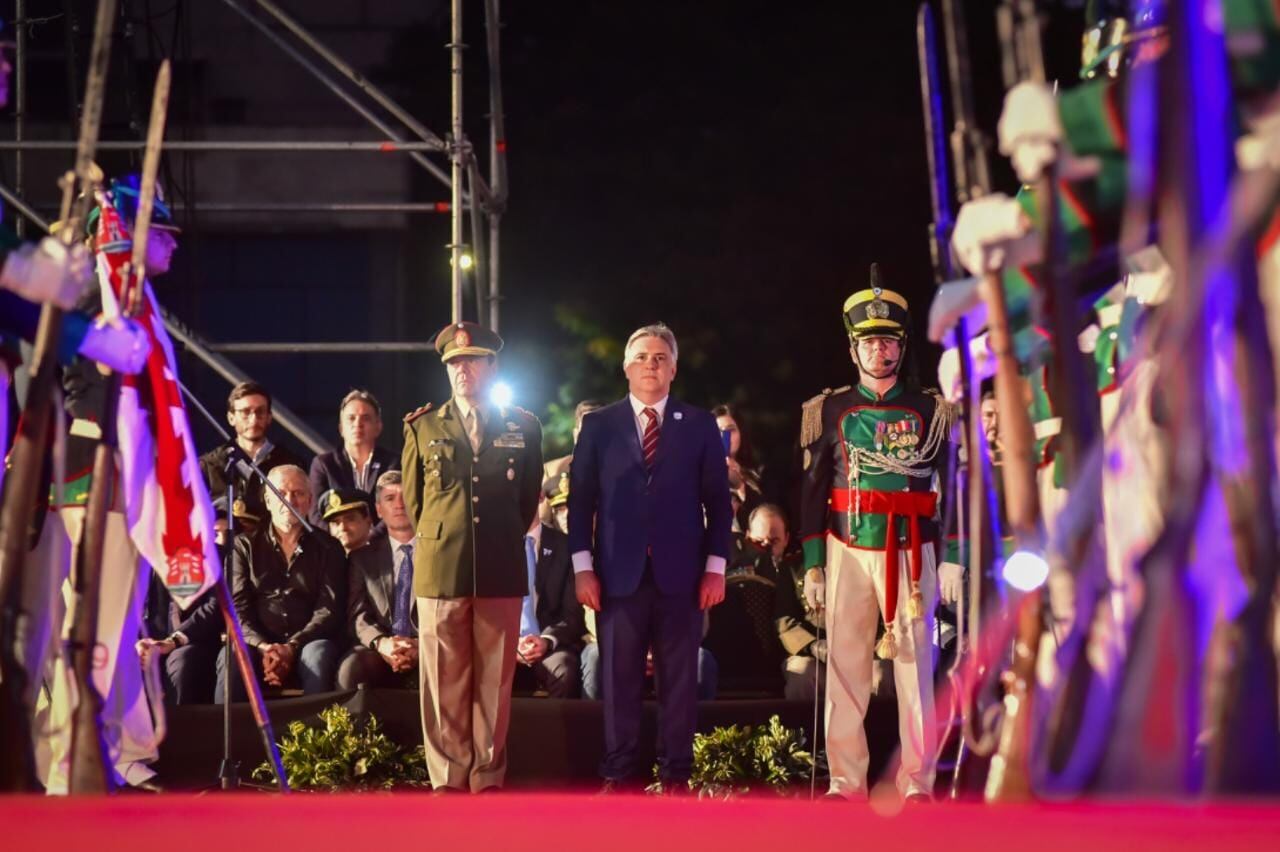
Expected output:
(166, 502)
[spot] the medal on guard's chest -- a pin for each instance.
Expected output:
(901, 438)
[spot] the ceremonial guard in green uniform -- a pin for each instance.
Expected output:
(472, 475)
(870, 502)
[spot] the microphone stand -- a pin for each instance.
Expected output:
(228, 770)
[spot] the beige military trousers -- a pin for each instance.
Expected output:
(466, 662)
(855, 600)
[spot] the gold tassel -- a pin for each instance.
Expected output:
(915, 606)
(887, 647)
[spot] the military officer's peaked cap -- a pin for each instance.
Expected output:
(876, 311)
(339, 500)
(556, 489)
(239, 510)
(466, 338)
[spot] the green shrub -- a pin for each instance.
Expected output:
(734, 760)
(345, 754)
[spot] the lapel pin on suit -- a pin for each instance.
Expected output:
(678, 415)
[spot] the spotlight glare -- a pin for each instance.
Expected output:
(1026, 571)
(501, 394)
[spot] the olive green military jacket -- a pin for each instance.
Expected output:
(471, 511)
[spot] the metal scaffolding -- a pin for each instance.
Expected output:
(472, 195)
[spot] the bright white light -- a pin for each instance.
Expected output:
(501, 394)
(1026, 571)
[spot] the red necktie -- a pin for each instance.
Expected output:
(650, 442)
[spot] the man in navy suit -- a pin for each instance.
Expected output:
(649, 532)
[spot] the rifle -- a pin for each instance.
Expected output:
(89, 768)
(17, 765)
(976, 521)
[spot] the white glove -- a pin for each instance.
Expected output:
(815, 589)
(47, 272)
(992, 232)
(1030, 130)
(950, 582)
(819, 650)
(984, 365)
(955, 299)
(1150, 278)
(120, 344)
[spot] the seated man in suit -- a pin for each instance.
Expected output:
(360, 461)
(380, 608)
(800, 631)
(188, 641)
(286, 584)
(551, 619)
(346, 514)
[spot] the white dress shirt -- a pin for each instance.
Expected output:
(582, 560)
(360, 473)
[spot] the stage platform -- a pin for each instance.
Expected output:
(553, 744)
(570, 822)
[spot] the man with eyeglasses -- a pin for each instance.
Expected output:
(249, 413)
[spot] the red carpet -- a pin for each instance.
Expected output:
(238, 823)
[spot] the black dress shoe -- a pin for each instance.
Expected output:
(615, 786)
(151, 785)
(673, 789)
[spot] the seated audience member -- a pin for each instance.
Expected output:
(744, 469)
(246, 522)
(743, 635)
(380, 607)
(360, 461)
(346, 513)
(801, 634)
(249, 413)
(554, 511)
(186, 641)
(551, 619)
(286, 584)
(559, 467)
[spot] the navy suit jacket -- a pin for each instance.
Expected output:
(333, 470)
(680, 515)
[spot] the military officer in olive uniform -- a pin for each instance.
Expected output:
(868, 532)
(472, 474)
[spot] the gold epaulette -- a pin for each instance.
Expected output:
(811, 416)
(416, 413)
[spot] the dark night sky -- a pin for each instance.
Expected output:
(730, 167)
